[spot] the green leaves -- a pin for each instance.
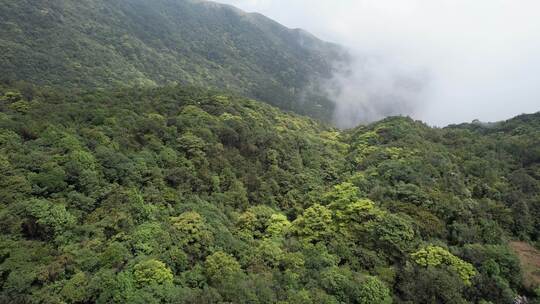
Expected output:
(152, 272)
(191, 233)
(47, 219)
(394, 234)
(11, 97)
(436, 256)
(315, 224)
(373, 291)
(51, 179)
(220, 266)
(278, 225)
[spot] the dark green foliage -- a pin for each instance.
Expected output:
(430, 285)
(185, 195)
(106, 44)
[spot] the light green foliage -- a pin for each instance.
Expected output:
(152, 272)
(191, 232)
(149, 238)
(315, 224)
(361, 214)
(11, 97)
(373, 291)
(268, 253)
(248, 223)
(435, 256)
(52, 218)
(84, 160)
(278, 225)
(255, 222)
(20, 106)
(352, 214)
(342, 195)
(221, 266)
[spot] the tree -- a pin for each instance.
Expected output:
(220, 267)
(315, 224)
(341, 196)
(150, 238)
(11, 97)
(47, 219)
(428, 285)
(278, 225)
(51, 179)
(192, 145)
(152, 272)
(191, 233)
(436, 256)
(373, 291)
(255, 221)
(236, 196)
(76, 289)
(341, 283)
(394, 235)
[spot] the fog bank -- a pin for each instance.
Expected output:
(441, 61)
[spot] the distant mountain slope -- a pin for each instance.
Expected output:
(98, 43)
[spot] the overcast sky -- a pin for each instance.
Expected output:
(453, 60)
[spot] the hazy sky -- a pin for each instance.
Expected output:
(442, 61)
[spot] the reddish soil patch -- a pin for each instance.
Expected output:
(530, 262)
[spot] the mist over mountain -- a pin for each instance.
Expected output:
(471, 59)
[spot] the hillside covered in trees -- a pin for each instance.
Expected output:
(107, 44)
(154, 151)
(187, 195)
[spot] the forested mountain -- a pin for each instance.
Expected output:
(111, 43)
(142, 160)
(185, 195)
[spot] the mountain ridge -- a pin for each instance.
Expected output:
(98, 43)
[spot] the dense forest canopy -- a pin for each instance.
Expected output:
(106, 44)
(156, 152)
(187, 195)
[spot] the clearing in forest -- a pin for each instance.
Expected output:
(530, 262)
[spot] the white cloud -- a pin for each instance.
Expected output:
(476, 59)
